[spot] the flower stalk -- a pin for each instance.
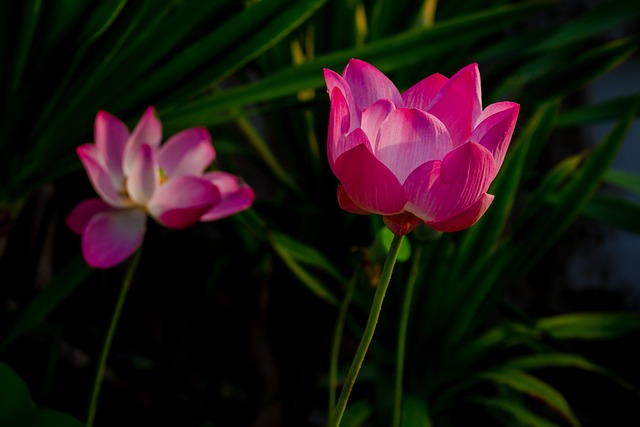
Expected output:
(126, 284)
(374, 314)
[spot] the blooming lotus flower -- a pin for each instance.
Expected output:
(134, 176)
(428, 154)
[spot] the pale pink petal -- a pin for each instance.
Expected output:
(373, 117)
(495, 129)
(459, 103)
(464, 219)
(368, 182)
(181, 201)
(347, 204)
(334, 80)
(440, 190)
(144, 176)
(236, 195)
(409, 138)
(100, 179)
(421, 94)
(368, 84)
(112, 236)
(338, 125)
(187, 153)
(147, 131)
(80, 215)
(110, 137)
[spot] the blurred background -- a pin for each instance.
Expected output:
(528, 318)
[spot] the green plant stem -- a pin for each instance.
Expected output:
(337, 339)
(133, 264)
(402, 336)
(374, 314)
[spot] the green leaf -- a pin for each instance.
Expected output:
(523, 415)
(17, 409)
(31, 14)
(626, 180)
(295, 253)
(607, 15)
(14, 393)
(528, 384)
(60, 287)
(415, 412)
(567, 360)
(357, 413)
(603, 111)
(590, 326)
(615, 211)
(410, 47)
(566, 77)
(386, 237)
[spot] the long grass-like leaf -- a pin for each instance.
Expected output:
(528, 384)
(521, 414)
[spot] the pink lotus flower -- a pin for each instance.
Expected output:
(135, 176)
(428, 154)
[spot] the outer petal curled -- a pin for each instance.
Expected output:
(82, 213)
(187, 153)
(181, 201)
(102, 182)
(236, 196)
(368, 84)
(438, 191)
(464, 219)
(368, 182)
(112, 236)
(110, 136)
(495, 129)
(459, 103)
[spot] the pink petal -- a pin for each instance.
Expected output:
(438, 190)
(373, 117)
(144, 176)
(347, 204)
(187, 153)
(368, 84)
(236, 195)
(338, 125)
(368, 182)
(147, 131)
(464, 219)
(495, 129)
(409, 138)
(102, 182)
(112, 236)
(110, 136)
(459, 103)
(334, 80)
(80, 215)
(181, 201)
(421, 94)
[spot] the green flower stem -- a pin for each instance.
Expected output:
(337, 339)
(133, 264)
(374, 314)
(402, 336)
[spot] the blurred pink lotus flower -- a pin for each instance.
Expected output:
(428, 154)
(135, 176)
